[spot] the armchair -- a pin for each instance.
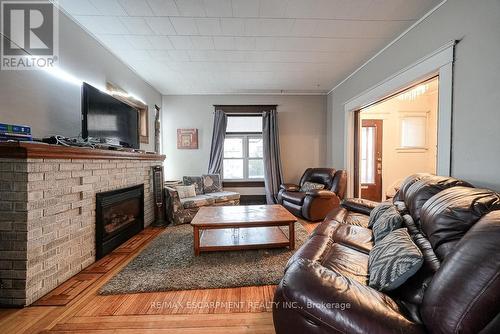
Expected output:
(314, 205)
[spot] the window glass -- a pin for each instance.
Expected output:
(413, 131)
(233, 169)
(255, 169)
(244, 124)
(367, 154)
(255, 148)
(233, 148)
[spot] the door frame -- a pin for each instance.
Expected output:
(438, 63)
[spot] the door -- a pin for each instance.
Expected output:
(370, 176)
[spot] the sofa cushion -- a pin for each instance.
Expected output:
(294, 197)
(389, 221)
(186, 191)
(197, 201)
(196, 180)
(377, 212)
(357, 219)
(356, 237)
(307, 186)
(211, 183)
(223, 196)
(394, 260)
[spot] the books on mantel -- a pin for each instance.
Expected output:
(15, 132)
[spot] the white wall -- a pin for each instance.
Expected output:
(302, 125)
(476, 97)
(53, 106)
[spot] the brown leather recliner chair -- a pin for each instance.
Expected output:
(314, 205)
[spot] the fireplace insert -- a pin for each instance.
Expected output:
(119, 216)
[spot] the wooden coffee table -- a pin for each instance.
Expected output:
(220, 228)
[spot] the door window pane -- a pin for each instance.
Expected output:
(255, 169)
(255, 147)
(233, 148)
(233, 169)
(367, 155)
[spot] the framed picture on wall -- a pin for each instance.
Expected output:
(187, 139)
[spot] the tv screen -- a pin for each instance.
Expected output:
(107, 119)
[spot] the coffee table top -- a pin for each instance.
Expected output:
(242, 215)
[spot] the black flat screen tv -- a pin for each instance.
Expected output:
(108, 119)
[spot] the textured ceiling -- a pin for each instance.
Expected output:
(245, 46)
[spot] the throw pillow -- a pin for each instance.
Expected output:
(186, 191)
(196, 180)
(307, 186)
(211, 183)
(377, 212)
(388, 221)
(393, 261)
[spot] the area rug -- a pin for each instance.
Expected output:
(168, 263)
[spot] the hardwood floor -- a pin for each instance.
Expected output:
(76, 307)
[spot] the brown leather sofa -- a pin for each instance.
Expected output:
(457, 290)
(314, 205)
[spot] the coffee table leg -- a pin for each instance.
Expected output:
(196, 240)
(291, 235)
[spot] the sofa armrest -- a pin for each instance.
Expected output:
(321, 193)
(290, 187)
(329, 299)
(359, 205)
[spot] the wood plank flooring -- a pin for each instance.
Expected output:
(76, 307)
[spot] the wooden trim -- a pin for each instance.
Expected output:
(243, 184)
(24, 150)
(244, 109)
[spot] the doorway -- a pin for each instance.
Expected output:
(396, 137)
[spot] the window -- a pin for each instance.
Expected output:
(368, 155)
(413, 130)
(243, 149)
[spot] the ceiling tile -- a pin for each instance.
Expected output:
(273, 8)
(136, 7)
(232, 27)
(184, 25)
(102, 24)
(218, 8)
(161, 42)
(181, 42)
(208, 26)
(161, 25)
(179, 55)
(245, 8)
(268, 27)
(202, 42)
(136, 25)
(163, 7)
(139, 42)
(224, 43)
(109, 7)
(78, 7)
(115, 42)
(190, 7)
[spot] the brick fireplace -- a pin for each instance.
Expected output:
(48, 202)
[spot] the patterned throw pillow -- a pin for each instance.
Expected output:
(186, 191)
(196, 180)
(377, 212)
(307, 186)
(388, 221)
(211, 183)
(393, 261)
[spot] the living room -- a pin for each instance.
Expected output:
(214, 166)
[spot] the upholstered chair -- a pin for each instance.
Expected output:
(319, 191)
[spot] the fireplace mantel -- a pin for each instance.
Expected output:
(28, 150)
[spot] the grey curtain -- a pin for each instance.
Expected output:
(273, 174)
(217, 148)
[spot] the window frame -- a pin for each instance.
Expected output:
(245, 136)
